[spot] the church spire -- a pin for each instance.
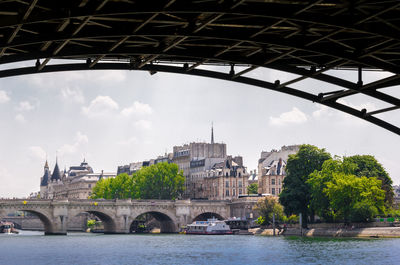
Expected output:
(212, 133)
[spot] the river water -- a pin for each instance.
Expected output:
(86, 248)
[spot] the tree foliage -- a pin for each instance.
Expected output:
(252, 188)
(368, 166)
(319, 201)
(355, 199)
(266, 207)
(338, 194)
(120, 187)
(295, 196)
(160, 181)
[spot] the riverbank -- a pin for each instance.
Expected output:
(368, 232)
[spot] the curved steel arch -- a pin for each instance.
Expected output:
(306, 38)
(152, 68)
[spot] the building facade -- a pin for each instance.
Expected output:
(195, 159)
(225, 180)
(135, 166)
(76, 183)
(271, 169)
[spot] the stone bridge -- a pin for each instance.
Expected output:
(118, 215)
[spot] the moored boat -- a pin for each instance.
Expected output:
(7, 228)
(209, 227)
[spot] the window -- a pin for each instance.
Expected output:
(279, 181)
(90, 185)
(234, 192)
(226, 175)
(273, 191)
(272, 181)
(240, 191)
(233, 183)
(240, 184)
(240, 174)
(279, 190)
(227, 184)
(227, 193)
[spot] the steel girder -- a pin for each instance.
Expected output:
(306, 38)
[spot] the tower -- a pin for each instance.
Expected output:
(46, 176)
(44, 181)
(212, 133)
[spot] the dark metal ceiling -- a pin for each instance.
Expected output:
(306, 38)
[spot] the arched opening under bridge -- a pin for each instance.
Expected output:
(153, 222)
(208, 215)
(107, 225)
(13, 215)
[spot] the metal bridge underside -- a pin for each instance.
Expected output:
(307, 38)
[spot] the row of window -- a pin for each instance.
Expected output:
(240, 184)
(273, 191)
(273, 181)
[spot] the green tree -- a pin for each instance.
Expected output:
(353, 198)
(266, 207)
(120, 187)
(295, 196)
(319, 201)
(161, 181)
(368, 166)
(252, 188)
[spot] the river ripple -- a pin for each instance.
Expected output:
(86, 248)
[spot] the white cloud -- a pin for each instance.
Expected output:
(143, 124)
(79, 140)
(324, 111)
(100, 106)
(137, 108)
(295, 116)
(74, 94)
(369, 106)
(20, 118)
(112, 76)
(130, 141)
(37, 153)
(3, 96)
(25, 106)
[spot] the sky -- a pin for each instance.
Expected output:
(113, 118)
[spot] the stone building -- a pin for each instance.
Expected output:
(271, 169)
(76, 183)
(197, 157)
(135, 166)
(225, 180)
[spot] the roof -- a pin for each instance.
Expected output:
(46, 177)
(56, 173)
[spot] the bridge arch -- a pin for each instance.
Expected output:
(105, 217)
(167, 221)
(45, 218)
(208, 215)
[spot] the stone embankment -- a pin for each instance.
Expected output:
(368, 232)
